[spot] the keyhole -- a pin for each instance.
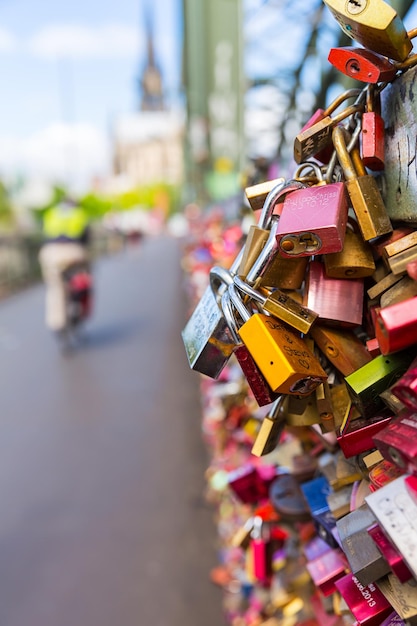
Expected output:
(353, 67)
(356, 6)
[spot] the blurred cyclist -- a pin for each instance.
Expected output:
(66, 234)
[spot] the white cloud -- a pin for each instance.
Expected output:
(66, 153)
(7, 41)
(78, 41)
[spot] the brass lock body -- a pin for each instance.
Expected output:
(355, 260)
(362, 188)
(374, 24)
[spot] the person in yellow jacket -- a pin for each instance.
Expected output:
(66, 237)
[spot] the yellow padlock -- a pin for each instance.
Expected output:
(279, 352)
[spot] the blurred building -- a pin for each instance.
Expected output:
(148, 143)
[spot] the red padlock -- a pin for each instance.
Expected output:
(396, 326)
(362, 64)
(262, 392)
(373, 131)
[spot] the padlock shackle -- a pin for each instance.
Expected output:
(350, 93)
(226, 308)
(315, 167)
(238, 303)
(339, 142)
(248, 290)
(219, 276)
(275, 408)
(262, 262)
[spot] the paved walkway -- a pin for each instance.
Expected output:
(102, 518)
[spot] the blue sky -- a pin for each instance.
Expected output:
(68, 68)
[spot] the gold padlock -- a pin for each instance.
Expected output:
(355, 260)
(257, 194)
(404, 289)
(319, 135)
(374, 24)
(307, 416)
(362, 188)
(281, 306)
(270, 431)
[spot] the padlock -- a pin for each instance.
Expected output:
(258, 545)
(358, 436)
(325, 407)
(207, 339)
(324, 156)
(280, 353)
(355, 260)
(287, 499)
(362, 64)
(373, 378)
(313, 220)
(396, 326)
(391, 555)
(281, 306)
(373, 132)
(270, 431)
(247, 484)
(374, 24)
(365, 560)
(362, 188)
(404, 289)
(335, 300)
(400, 252)
(257, 194)
(405, 389)
(301, 411)
(398, 442)
(262, 393)
(318, 136)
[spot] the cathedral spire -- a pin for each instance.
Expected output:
(152, 97)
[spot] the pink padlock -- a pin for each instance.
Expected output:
(337, 301)
(313, 221)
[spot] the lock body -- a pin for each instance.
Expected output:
(335, 300)
(313, 221)
(405, 389)
(363, 191)
(355, 260)
(262, 392)
(319, 135)
(372, 379)
(362, 64)
(207, 339)
(398, 442)
(270, 432)
(359, 435)
(281, 355)
(374, 24)
(373, 141)
(396, 326)
(342, 348)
